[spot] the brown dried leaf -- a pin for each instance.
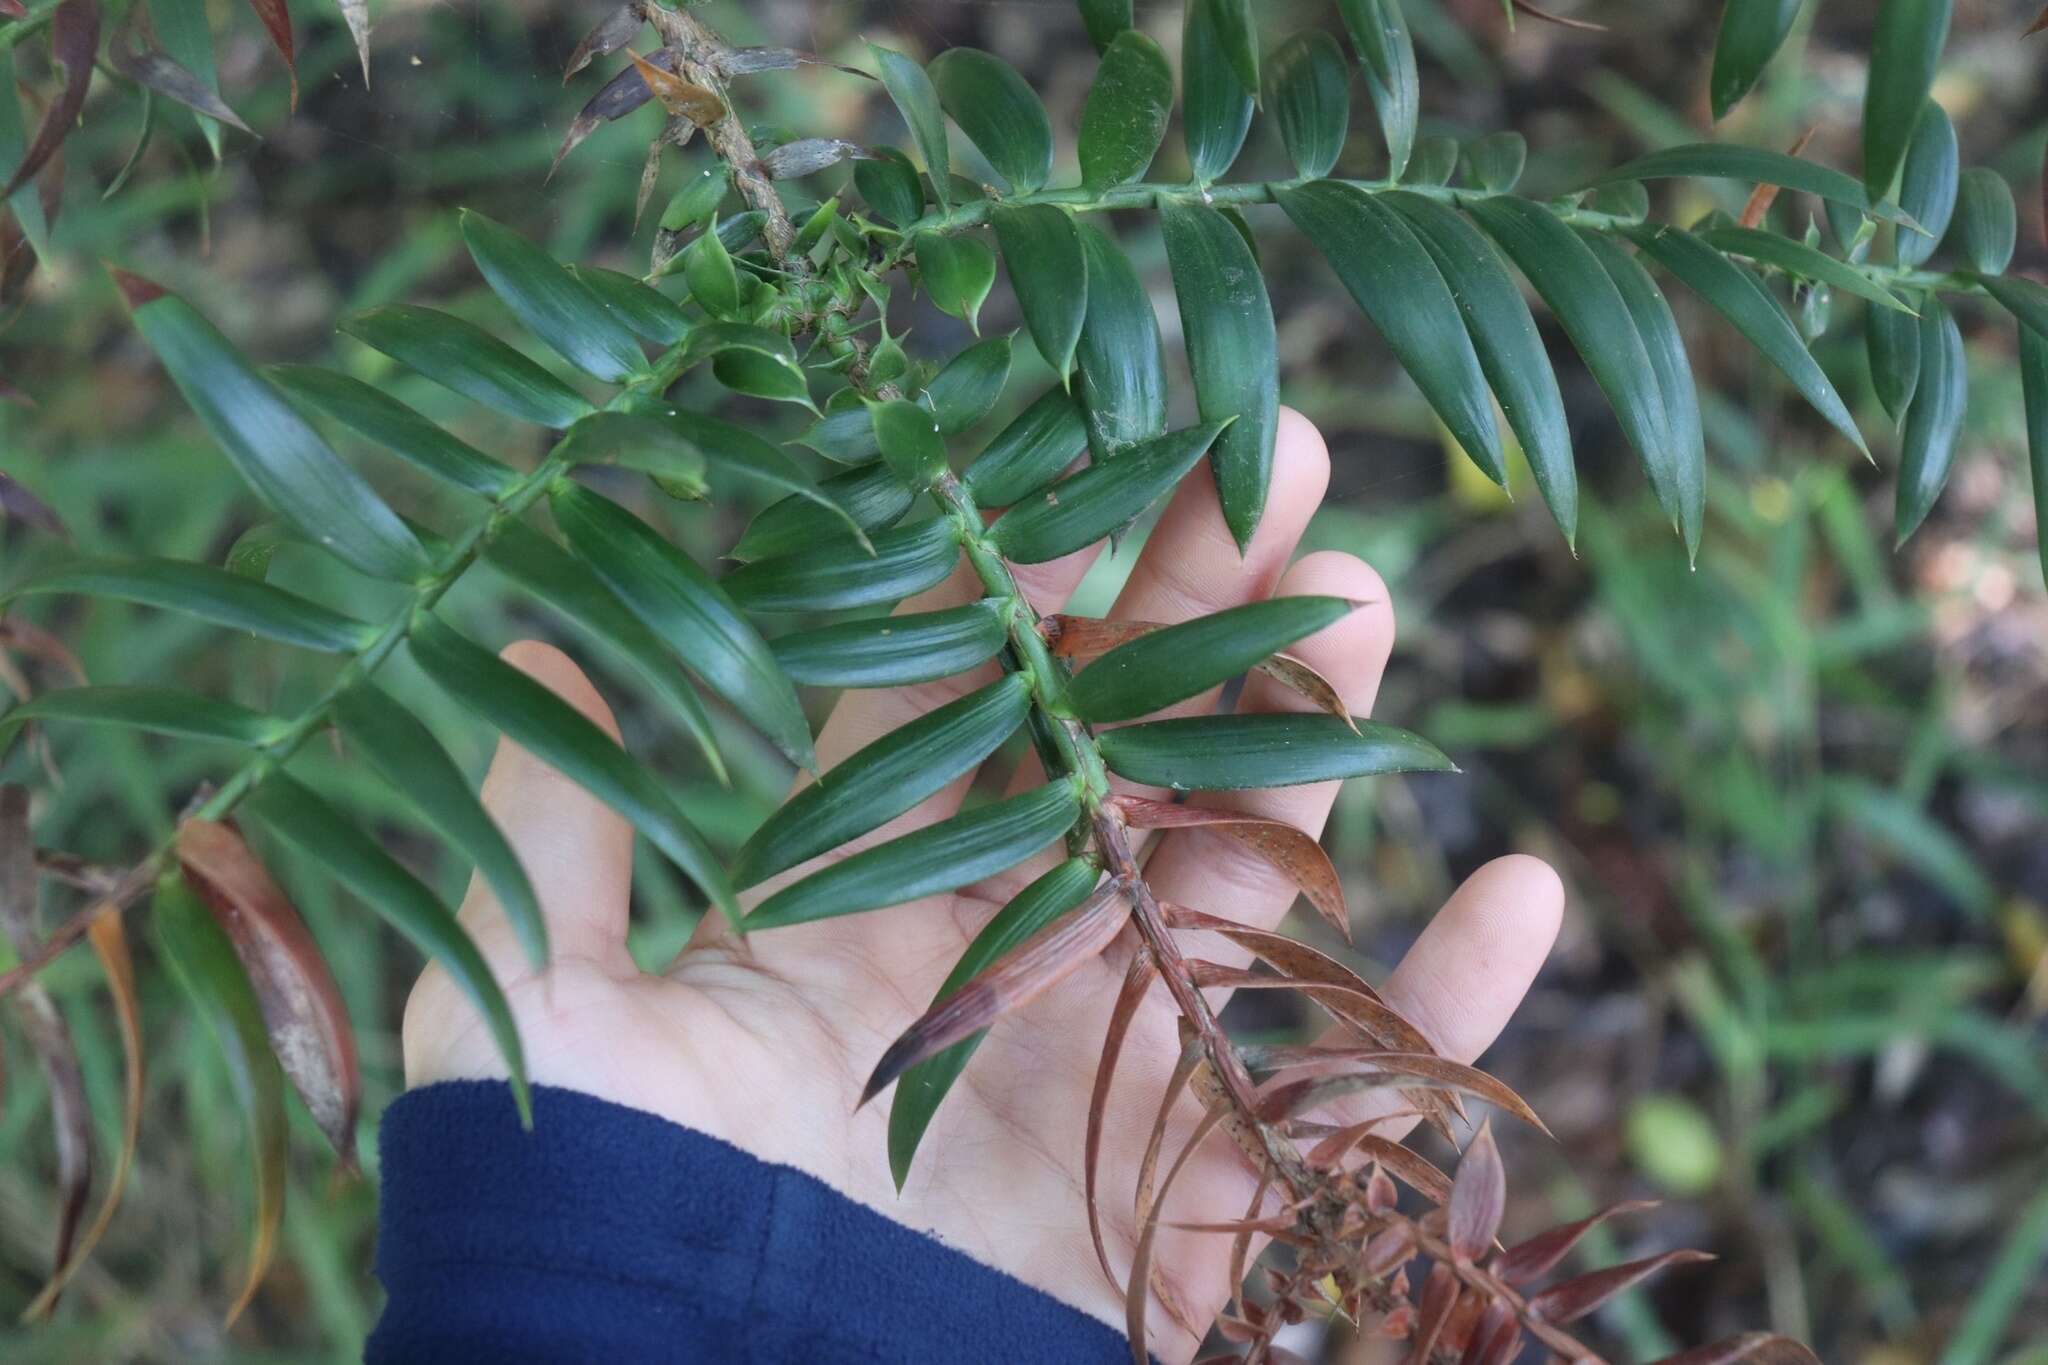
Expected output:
(1416, 1170)
(1013, 981)
(1584, 25)
(1537, 1257)
(74, 39)
(618, 97)
(1141, 1262)
(1081, 637)
(1321, 977)
(613, 32)
(18, 504)
(1293, 851)
(1148, 1167)
(1574, 1298)
(277, 22)
(1299, 678)
(1439, 1297)
(2040, 22)
(28, 638)
(1479, 1196)
(1137, 981)
(1763, 1348)
(301, 1004)
(1763, 196)
(1398, 1070)
(1496, 1323)
(683, 99)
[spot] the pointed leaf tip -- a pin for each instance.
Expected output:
(135, 290)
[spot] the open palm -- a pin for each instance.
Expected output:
(768, 1044)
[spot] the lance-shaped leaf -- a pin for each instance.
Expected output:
(1479, 1194)
(1379, 30)
(891, 186)
(640, 306)
(967, 388)
(1042, 247)
(911, 443)
(1928, 183)
(1751, 33)
(557, 578)
(2034, 388)
(461, 356)
(1233, 352)
(1510, 349)
(555, 305)
(714, 280)
(17, 503)
(613, 32)
(1893, 341)
(277, 22)
(1226, 753)
(203, 964)
(1308, 88)
(918, 102)
(942, 857)
(844, 575)
(2023, 298)
(871, 495)
(1539, 1255)
(893, 651)
(1020, 976)
(1496, 160)
(1680, 475)
(372, 413)
(1293, 852)
(408, 757)
(1905, 49)
(74, 38)
(1105, 19)
(1124, 119)
(844, 435)
(1741, 298)
(162, 710)
(921, 1084)
(1000, 113)
(1927, 442)
(1138, 980)
(1030, 452)
(1082, 509)
(808, 156)
(886, 778)
(560, 736)
(1216, 109)
(1393, 278)
(216, 595)
(1573, 1299)
(1986, 225)
(1170, 665)
(1752, 165)
(680, 603)
(1801, 260)
(957, 273)
(156, 71)
(275, 451)
(680, 98)
(1123, 374)
(1237, 30)
(301, 1005)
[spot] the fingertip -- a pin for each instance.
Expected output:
(1301, 462)
(1475, 961)
(557, 672)
(1351, 652)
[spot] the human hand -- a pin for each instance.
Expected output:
(768, 1044)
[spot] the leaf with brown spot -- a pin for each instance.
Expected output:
(1479, 1196)
(1762, 1348)
(683, 99)
(74, 38)
(277, 22)
(1574, 1298)
(1583, 25)
(1137, 981)
(1294, 852)
(1297, 677)
(1764, 195)
(301, 1005)
(1537, 1257)
(18, 504)
(613, 32)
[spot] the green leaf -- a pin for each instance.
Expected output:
(1105, 19)
(1927, 442)
(708, 269)
(1751, 33)
(1904, 52)
(1510, 349)
(1082, 509)
(710, 340)
(1379, 30)
(2023, 298)
(1927, 186)
(1797, 258)
(1233, 353)
(1752, 165)
(1680, 475)
(872, 495)
(1030, 452)
(2034, 387)
(967, 389)
(698, 199)
(838, 576)
(324, 835)
(641, 307)
(275, 451)
(1000, 113)
(921, 1089)
(377, 416)
(558, 735)
(161, 710)
(410, 760)
(1986, 225)
(1893, 341)
(1123, 372)
(1154, 671)
(1229, 753)
(1496, 160)
(894, 651)
(942, 857)
(1596, 318)
(918, 102)
(1741, 298)
(462, 356)
(1237, 32)
(762, 376)
(957, 272)
(216, 595)
(1216, 110)
(844, 436)
(1433, 162)
(910, 441)
(891, 186)
(1042, 247)
(1124, 119)
(555, 305)
(682, 605)
(1393, 278)
(557, 578)
(885, 779)
(1308, 88)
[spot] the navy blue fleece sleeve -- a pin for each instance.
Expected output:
(607, 1234)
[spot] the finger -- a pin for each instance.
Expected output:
(577, 851)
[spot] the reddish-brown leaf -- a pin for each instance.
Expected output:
(1148, 1167)
(683, 99)
(1137, 981)
(613, 32)
(1418, 1171)
(1439, 1297)
(31, 639)
(1386, 1068)
(1584, 25)
(1496, 1322)
(1762, 1348)
(1294, 852)
(1014, 980)
(1240, 1249)
(1537, 1257)
(13, 9)
(74, 39)
(1298, 677)
(1136, 1296)
(1763, 196)
(277, 22)
(1323, 979)
(2040, 22)
(302, 1007)
(18, 504)
(1479, 1196)
(1574, 1298)
(1081, 637)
